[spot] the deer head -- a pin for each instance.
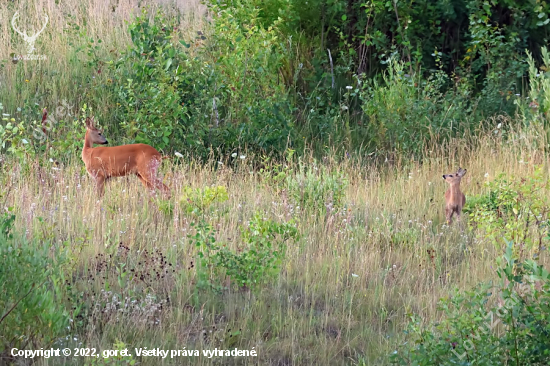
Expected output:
(456, 177)
(94, 134)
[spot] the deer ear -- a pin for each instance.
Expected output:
(461, 172)
(89, 122)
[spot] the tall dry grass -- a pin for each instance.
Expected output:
(59, 76)
(345, 288)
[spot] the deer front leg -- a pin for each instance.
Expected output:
(100, 185)
(449, 215)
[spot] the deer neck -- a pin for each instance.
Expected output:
(88, 144)
(455, 191)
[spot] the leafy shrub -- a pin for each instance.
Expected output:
(122, 358)
(32, 314)
(227, 97)
(536, 107)
(475, 330)
(153, 85)
(6, 224)
(196, 201)
(14, 137)
(515, 209)
(317, 186)
(248, 103)
(256, 261)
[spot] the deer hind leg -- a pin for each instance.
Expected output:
(153, 178)
(145, 182)
(459, 215)
(149, 177)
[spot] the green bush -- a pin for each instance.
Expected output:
(32, 314)
(515, 209)
(535, 108)
(249, 105)
(154, 86)
(257, 260)
(196, 201)
(490, 325)
(227, 97)
(317, 187)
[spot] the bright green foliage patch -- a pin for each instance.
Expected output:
(198, 200)
(258, 257)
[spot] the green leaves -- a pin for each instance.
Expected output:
(513, 209)
(153, 97)
(198, 201)
(31, 305)
(257, 260)
(485, 325)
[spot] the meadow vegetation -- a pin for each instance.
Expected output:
(306, 219)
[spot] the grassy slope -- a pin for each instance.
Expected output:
(391, 235)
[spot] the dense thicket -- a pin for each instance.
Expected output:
(377, 77)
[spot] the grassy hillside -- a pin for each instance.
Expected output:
(306, 219)
(346, 285)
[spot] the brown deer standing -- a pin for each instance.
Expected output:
(103, 163)
(454, 198)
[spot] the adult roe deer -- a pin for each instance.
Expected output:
(103, 163)
(454, 198)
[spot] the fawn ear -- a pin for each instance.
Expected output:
(461, 172)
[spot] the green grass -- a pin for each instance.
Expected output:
(70, 62)
(371, 251)
(344, 291)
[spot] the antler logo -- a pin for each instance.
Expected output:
(29, 39)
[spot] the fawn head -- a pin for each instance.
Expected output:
(456, 177)
(95, 134)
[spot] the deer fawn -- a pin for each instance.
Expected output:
(454, 198)
(103, 163)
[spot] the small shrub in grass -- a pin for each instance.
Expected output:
(257, 260)
(490, 325)
(196, 201)
(14, 138)
(123, 357)
(32, 314)
(6, 224)
(274, 174)
(317, 187)
(515, 209)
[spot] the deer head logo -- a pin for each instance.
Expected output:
(29, 39)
